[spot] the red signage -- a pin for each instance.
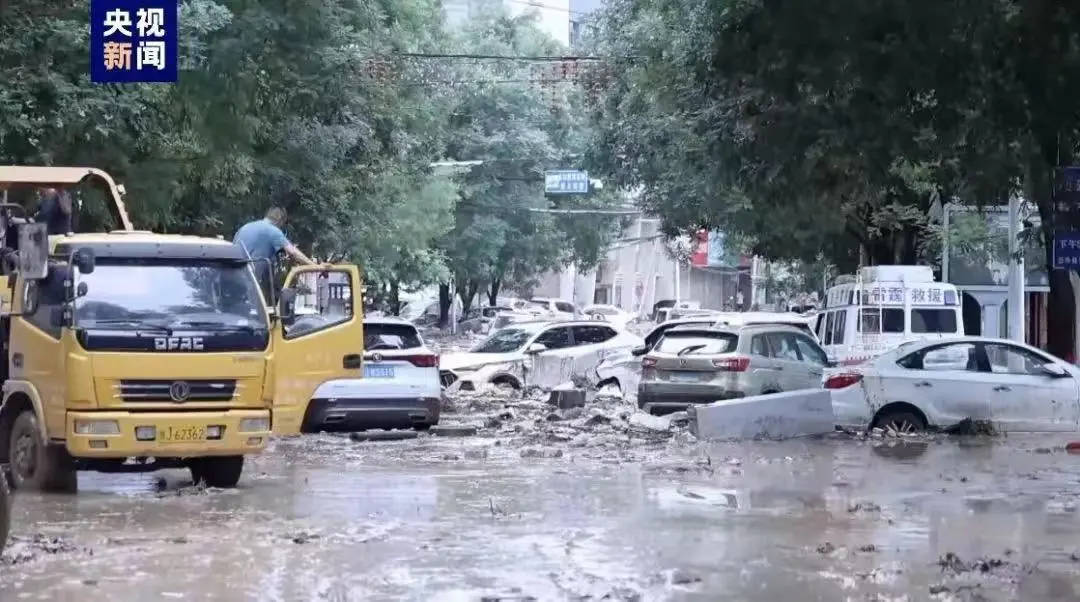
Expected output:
(699, 256)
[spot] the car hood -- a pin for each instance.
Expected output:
(456, 361)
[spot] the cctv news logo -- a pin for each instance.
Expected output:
(133, 41)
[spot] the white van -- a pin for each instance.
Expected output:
(884, 307)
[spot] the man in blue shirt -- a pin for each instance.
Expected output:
(263, 240)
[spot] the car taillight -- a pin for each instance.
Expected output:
(422, 361)
(840, 381)
(648, 362)
(732, 364)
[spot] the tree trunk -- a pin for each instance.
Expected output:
(395, 300)
(444, 304)
(466, 290)
(493, 291)
(1060, 307)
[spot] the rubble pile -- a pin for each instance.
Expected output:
(534, 420)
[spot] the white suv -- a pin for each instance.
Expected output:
(556, 308)
(400, 387)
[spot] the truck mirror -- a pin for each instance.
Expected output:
(33, 251)
(84, 260)
(285, 304)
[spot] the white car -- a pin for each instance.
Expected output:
(400, 387)
(938, 383)
(555, 308)
(537, 353)
(609, 313)
(623, 368)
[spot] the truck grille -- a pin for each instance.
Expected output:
(447, 378)
(176, 391)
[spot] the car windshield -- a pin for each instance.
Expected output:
(504, 341)
(211, 295)
(697, 343)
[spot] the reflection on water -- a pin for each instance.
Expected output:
(325, 520)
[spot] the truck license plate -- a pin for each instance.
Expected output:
(378, 371)
(177, 434)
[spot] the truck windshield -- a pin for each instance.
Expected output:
(202, 295)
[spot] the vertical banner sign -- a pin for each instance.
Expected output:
(1067, 218)
(133, 41)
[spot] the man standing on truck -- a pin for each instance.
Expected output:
(263, 240)
(55, 211)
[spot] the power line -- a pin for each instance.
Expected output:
(496, 57)
(587, 211)
(548, 6)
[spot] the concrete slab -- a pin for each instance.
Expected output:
(775, 416)
(567, 398)
(453, 430)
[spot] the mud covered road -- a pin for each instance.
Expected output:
(617, 514)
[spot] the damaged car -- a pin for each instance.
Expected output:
(534, 353)
(936, 384)
(622, 369)
(699, 365)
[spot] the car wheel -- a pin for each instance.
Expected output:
(221, 472)
(422, 426)
(900, 421)
(35, 464)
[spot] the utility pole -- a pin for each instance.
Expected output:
(1016, 273)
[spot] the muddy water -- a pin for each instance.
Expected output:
(324, 518)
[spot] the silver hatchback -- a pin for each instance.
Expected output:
(696, 365)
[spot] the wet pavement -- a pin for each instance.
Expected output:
(528, 510)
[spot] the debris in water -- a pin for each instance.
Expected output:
(682, 577)
(383, 435)
(969, 427)
(865, 507)
(826, 548)
(455, 430)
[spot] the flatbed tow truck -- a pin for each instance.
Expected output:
(133, 351)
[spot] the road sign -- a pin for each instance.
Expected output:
(1067, 198)
(1067, 249)
(566, 181)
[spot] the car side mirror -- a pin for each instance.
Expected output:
(639, 351)
(286, 304)
(536, 348)
(84, 260)
(1054, 371)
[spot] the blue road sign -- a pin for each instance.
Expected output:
(1067, 249)
(133, 41)
(566, 181)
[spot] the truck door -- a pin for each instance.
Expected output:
(322, 340)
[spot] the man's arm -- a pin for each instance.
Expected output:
(298, 255)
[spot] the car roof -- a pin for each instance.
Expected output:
(917, 345)
(537, 324)
(388, 320)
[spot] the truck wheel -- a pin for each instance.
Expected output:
(222, 472)
(5, 512)
(36, 464)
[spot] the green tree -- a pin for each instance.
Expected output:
(837, 126)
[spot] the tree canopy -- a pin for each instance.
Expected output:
(316, 107)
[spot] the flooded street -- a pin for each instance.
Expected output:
(496, 517)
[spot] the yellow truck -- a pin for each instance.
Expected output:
(133, 351)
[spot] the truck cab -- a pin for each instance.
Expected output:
(131, 351)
